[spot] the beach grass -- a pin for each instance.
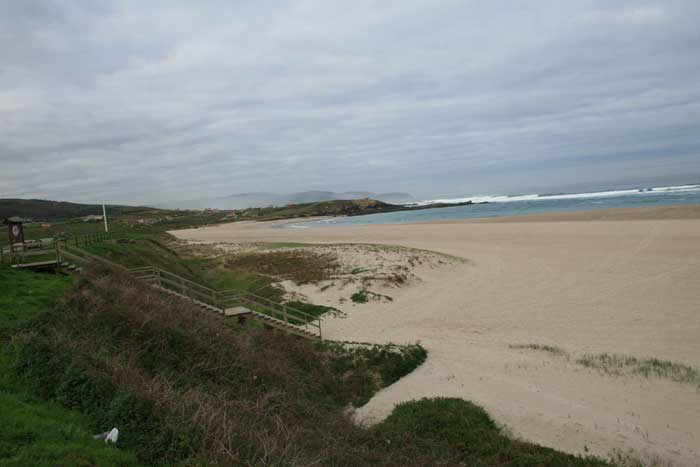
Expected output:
(614, 364)
(551, 349)
(619, 365)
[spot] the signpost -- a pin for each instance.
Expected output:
(15, 232)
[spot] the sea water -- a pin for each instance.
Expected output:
(518, 205)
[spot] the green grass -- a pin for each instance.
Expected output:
(37, 433)
(137, 252)
(299, 266)
(34, 431)
(359, 297)
(25, 296)
(367, 367)
(364, 296)
(315, 310)
(456, 432)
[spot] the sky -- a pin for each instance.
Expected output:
(146, 102)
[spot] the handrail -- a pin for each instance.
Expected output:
(86, 255)
(220, 299)
(259, 298)
(182, 279)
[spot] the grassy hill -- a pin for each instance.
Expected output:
(185, 388)
(35, 431)
(39, 209)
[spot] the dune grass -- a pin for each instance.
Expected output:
(614, 364)
(618, 365)
(456, 432)
(551, 349)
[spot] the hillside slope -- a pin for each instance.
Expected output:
(186, 389)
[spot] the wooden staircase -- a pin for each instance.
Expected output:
(233, 302)
(67, 256)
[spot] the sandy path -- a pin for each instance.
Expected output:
(618, 286)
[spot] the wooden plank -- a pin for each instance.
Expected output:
(36, 264)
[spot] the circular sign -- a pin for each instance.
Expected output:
(15, 231)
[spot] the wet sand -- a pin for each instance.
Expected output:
(618, 281)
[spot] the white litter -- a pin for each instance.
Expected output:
(109, 436)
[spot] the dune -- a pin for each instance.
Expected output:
(507, 328)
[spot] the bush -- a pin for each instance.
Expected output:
(453, 431)
(359, 297)
(366, 368)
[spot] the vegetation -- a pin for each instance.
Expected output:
(617, 365)
(620, 365)
(554, 350)
(40, 209)
(364, 296)
(315, 310)
(25, 296)
(300, 266)
(34, 431)
(184, 389)
(456, 432)
(341, 207)
(359, 297)
(372, 366)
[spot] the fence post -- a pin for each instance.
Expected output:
(284, 311)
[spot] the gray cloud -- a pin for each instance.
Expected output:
(143, 102)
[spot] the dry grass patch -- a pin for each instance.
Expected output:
(299, 266)
(551, 349)
(619, 365)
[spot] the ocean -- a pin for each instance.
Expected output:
(518, 205)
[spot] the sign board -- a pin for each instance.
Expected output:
(16, 232)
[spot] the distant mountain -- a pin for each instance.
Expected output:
(264, 199)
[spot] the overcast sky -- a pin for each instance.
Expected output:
(146, 101)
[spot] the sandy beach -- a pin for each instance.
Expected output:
(608, 282)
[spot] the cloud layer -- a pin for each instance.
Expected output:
(143, 102)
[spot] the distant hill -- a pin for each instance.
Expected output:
(265, 199)
(340, 207)
(40, 209)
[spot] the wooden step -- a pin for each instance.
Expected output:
(237, 311)
(288, 327)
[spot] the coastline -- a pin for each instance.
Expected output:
(620, 281)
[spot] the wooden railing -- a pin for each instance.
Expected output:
(69, 250)
(227, 299)
(48, 248)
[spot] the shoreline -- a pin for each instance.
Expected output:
(620, 281)
(671, 212)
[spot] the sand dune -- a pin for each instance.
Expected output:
(618, 281)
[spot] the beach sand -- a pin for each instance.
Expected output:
(618, 281)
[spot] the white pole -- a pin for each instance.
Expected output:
(104, 216)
